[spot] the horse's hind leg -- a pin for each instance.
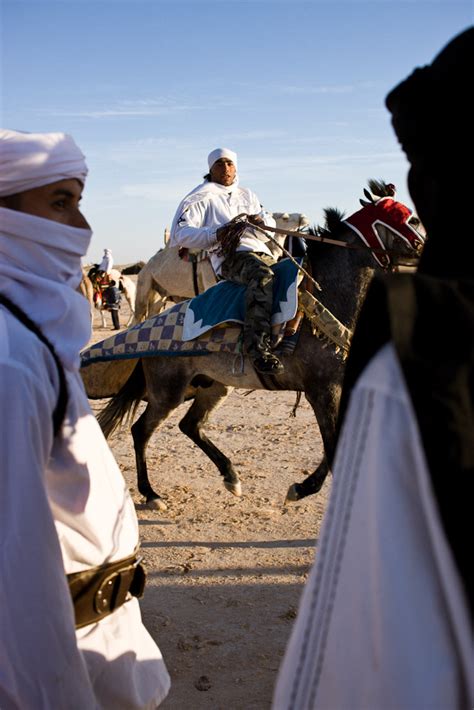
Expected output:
(142, 430)
(206, 400)
(325, 403)
(311, 484)
(159, 406)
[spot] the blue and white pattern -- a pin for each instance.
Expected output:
(225, 302)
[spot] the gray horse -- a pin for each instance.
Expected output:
(315, 368)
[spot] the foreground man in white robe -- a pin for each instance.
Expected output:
(385, 620)
(64, 506)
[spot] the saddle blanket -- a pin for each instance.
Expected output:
(225, 302)
(164, 334)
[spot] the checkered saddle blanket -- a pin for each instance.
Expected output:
(225, 302)
(196, 328)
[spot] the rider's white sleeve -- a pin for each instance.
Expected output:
(191, 231)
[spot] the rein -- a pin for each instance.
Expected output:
(327, 240)
(242, 219)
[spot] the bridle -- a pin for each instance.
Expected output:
(327, 240)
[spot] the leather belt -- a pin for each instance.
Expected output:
(98, 591)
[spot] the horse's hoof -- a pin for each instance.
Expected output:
(156, 504)
(235, 488)
(292, 494)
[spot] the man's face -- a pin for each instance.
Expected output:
(58, 202)
(223, 171)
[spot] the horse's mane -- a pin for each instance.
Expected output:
(332, 226)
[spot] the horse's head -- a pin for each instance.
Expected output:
(291, 221)
(387, 227)
(96, 276)
(294, 221)
(92, 273)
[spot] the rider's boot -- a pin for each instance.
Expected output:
(264, 361)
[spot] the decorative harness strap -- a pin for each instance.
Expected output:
(60, 409)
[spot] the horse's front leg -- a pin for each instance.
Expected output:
(206, 400)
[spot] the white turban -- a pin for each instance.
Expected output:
(29, 160)
(221, 153)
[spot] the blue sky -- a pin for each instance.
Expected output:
(149, 87)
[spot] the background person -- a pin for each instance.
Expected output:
(112, 299)
(64, 507)
(107, 262)
(196, 224)
(385, 620)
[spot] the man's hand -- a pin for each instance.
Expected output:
(221, 231)
(256, 219)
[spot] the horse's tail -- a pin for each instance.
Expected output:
(124, 404)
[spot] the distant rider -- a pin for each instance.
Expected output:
(107, 262)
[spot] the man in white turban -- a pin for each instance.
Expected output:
(71, 632)
(196, 225)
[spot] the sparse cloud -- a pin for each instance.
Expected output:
(286, 164)
(155, 191)
(127, 109)
(256, 135)
(139, 108)
(309, 90)
(335, 89)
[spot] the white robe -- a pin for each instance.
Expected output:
(107, 262)
(64, 506)
(208, 207)
(383, 621)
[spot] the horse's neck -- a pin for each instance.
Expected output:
(344, 276)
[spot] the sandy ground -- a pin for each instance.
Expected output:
(225, 574)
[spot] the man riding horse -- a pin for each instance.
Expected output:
(202, 222)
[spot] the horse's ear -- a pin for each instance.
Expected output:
(369, 196)
(364, 203)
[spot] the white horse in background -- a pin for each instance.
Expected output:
(125, 284)
(167, 277)
(128, 288)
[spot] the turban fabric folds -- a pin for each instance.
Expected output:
(29, 160)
